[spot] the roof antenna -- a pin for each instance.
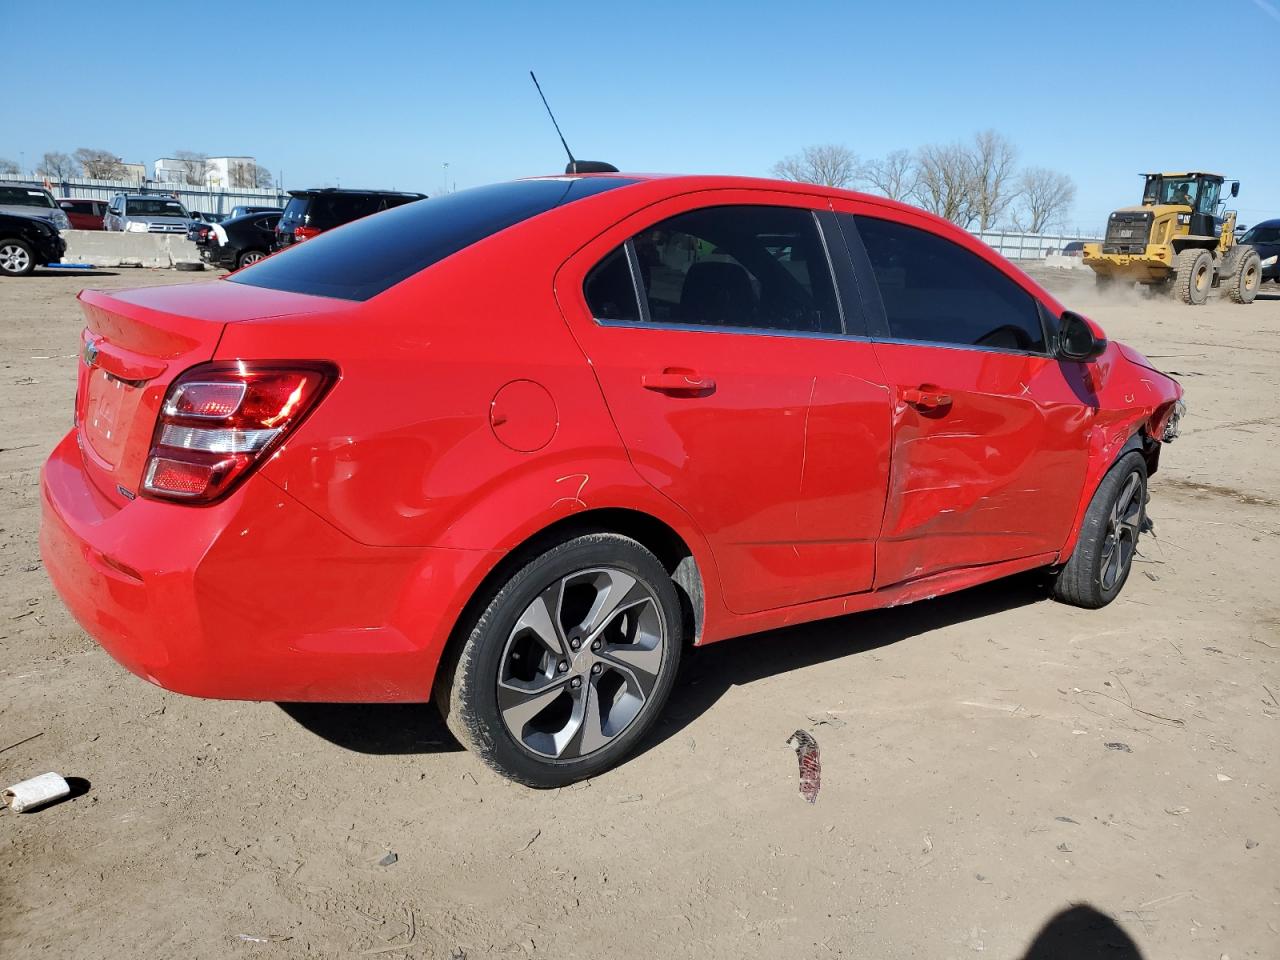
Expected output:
(573, 166)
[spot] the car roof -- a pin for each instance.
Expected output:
(338, 191)
(1273, 222)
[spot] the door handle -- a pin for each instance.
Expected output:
(681, 382)
(925, 397)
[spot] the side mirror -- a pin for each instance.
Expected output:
(1235, 188)
(1076, 340)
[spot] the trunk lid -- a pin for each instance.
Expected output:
(134, 344)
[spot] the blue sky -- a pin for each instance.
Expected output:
(1099, 90)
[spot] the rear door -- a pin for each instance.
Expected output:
(727, 370)
(989, 436)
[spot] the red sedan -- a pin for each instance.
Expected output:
(514, 448)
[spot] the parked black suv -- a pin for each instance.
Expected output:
(27, 243)
(239, 241)
(313, 211)
(1265, 238)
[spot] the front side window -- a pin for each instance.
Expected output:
(748, 267)
(936, 291)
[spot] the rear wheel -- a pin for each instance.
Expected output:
(1195, 275)
(1245, 278)
(16, 258)
(569, 663)
(1103, 556)
(250, 257)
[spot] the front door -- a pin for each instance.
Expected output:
(725, 371)
(989, 437)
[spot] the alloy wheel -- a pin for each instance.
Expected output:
(581, 663)
(14, 258)
(1121, 540)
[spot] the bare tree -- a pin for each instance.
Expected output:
(99, 164)
(57, 166)
(830, 164)
(194, 167)
(8, 167)
(262, 178)
(1044, 197)
(994, 171)
(945, 182)
(893, 176)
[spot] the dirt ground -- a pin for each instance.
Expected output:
(989, 759)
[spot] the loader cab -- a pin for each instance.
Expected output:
(1200, 192)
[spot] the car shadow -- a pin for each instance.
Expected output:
(1082, 932)
(73, 272)
(1267, 296)
(376, 728)
(708, 673)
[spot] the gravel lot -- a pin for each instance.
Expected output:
(973, 787)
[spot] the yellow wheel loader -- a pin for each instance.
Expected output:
(1181, 240)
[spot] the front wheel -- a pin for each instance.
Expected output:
(1103, 556)
(16, 258)
(569, 664)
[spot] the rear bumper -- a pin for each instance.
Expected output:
(253, 598)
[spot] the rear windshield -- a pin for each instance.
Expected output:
(155, 208)
(366, 257)
(24, 197)
(295, 209)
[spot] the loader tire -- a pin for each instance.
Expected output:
(1194, 269)
(1103, 282)
(1242, 283)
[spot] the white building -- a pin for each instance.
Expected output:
(227, 173)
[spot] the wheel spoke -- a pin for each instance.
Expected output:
(520, 702)
(543, 621)
(614, 590)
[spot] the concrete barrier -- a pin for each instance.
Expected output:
(1064, 262)
(101, 248)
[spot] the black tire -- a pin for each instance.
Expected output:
(1103, 556)
(248, 258)
(16, 258)
(502, 670)
(1194, 269)
(1242, 283)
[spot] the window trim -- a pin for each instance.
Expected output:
(646, 321)
(866, 275)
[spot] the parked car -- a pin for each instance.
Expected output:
(84, 214)
(1265, 238)
(1073, 248)
(578, 423)
(241, 211)
(146, 213)
(240, 241)
(32, 201)
(312, 211)
(27, 243)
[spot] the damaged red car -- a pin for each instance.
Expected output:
(516, 448)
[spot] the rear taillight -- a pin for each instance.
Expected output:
(219, 419)
(305, 233)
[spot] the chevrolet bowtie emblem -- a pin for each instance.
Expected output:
(91, 352)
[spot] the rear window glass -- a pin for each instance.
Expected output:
(366, 257)
(24, 197)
